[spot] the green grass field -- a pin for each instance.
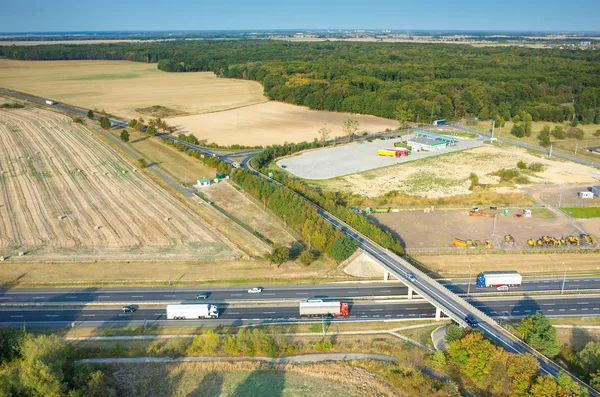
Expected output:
(586, 212)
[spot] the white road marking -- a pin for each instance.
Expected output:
(388, 315)
(51, 315)
(301, 293)
(583, 303)
(4, 298)
(89, 315)
(268, 294)
(550, 310)
(572, 310)
(411, 308)
(236, 294)
(37, 297)
(16, 316)
(70, 297)
(269, 312)
(137, 296)
(561, 310)
(158, 314)
(104, 296)
(376, 316)
(376, 310)
(232, 313)
(168, 296)
(584, 309)
(548, 304)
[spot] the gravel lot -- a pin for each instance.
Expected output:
(356, 157)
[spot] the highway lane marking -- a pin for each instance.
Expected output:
(561, 310)
(4, 298)
(412, 314)
(572, 310)
(16, 316)
(514, 305)
(376, 316)
(89, 315)
(256, 319)
(364, 316)
(104, 296)
(387, 290)
(70, 297)
(597, 308)
(376, 310)
(411, 308)
(527, 311)
(301, 293)
(268, 294)
(168, 296)
(548, 304)
(583, 303)
(388, 315)
(158, 314)
(51, 315)
(399, 315)
(550, 310)
(232, 313)
(244, 319)
(137, 296)
(269, 312)
(584, 309)
(235, 294)
(516, 311)
(37, 297)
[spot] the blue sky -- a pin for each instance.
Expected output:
(108, 15)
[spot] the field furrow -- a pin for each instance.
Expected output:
(67, 196)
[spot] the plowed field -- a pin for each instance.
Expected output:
(64, 195)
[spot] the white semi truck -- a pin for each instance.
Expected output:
(498, 279)
(49, 102)
(191, 312)
(324, 309)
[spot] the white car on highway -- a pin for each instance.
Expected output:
(255, 290)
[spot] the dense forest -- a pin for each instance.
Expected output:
(409, 82)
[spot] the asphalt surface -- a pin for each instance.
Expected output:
(338, 291)
(78, 296)
(587, 306)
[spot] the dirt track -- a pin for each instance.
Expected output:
(67, 196)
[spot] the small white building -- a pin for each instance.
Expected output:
(585, 195)
(203, 182)
(428, 144)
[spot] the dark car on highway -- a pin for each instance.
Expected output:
(203, 295)
(471, 320)
(128, 309)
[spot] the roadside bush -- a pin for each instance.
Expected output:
(597, 133)
(575, 133)
(474, 180)
(508, 174)
(175, 347)
(207, 343)
(521, 165)
(263, 343)
(522, 179)
(230, 345)
(244, 342)
(78, 120)
(105, 122)
(279, 255)
(142, 163)
(324, 345)
(536, 167)
(558, 132)
(306, 257)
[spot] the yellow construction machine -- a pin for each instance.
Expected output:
(488, 244)
(531, 242)
(573, 240)
(588, 239)
(510, 240)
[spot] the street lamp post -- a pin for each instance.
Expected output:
(564, 279)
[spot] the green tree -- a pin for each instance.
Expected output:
(342, 248)
(151, 130)
(42, 369)
(539, 333)
(230, 345)
(597, 132)
(565, 381)
(125, 135)
(522, 369)
(142, 163)
(350, 127)
(207, 343)
(105, 122)
(544, 136)
(438, 359)
(279, 254)
(589, 357)
(90, 114)
(544, 386)
(453, 333)
(558, 132)
(132, 123)
(517, 130)
(521, 165)
(92, 384)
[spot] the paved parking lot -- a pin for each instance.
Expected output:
(356, 157)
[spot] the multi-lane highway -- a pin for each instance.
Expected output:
(513, 307)
(78, 296)
(176, 295)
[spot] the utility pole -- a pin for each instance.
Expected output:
(564, 279)
(494, 230)
(550, 154)
(560, 198)
(284, 222)
(493, 125)
(469, 287)
(323, 324)
(576, 146)
(264, 203)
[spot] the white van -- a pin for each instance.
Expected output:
(502, 288)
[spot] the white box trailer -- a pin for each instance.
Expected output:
(323, 309)
(191, 312)
(497, 279)
(49, 102)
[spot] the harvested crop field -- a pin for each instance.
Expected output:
(120, 87)
(67, 196)
(448, 174)
(272, 123)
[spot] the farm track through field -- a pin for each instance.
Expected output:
(53, 168)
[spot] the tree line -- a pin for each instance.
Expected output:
(405, 81)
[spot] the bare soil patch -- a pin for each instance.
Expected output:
(454, 265)
(228, 198)
(272, 123)
(448, 174)
(67, 196)
(420, 229)
(120, 87)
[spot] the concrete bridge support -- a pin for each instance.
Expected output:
(386, 275)
(410, 293)
(438, 314)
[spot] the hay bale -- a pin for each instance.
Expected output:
(98, 227)
(21, 253)
(124, 172)
(2, 259)
(168, 218)
(61, 217)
